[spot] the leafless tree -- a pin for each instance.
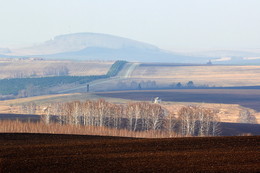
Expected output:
(171, 122)
(198, 120)
(246, 117)
(157, 116)
(47, 114)
(29, 108)
(188, 118)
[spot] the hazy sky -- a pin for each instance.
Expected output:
(168, 24)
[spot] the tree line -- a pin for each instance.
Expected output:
(134, 116)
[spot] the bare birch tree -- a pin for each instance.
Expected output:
(245, 116)
(198, 120)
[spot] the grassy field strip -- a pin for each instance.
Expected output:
(212, 75)
(12, 106)
(81, 68)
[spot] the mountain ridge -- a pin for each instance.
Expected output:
(86, 46)
(91, 46)
(79, 41)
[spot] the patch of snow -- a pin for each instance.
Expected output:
(251, 58)
(222, 59)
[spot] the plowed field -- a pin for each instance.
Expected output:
(68, 153)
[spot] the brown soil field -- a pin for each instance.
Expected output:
(72, 153)
(218, 75)
(9, 69)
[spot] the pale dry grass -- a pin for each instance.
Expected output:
(226, 112)
(210, 75)
(55, 128)
(76, 68)
(55, 98)
(14, 105)
(6, 109)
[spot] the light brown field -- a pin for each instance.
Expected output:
(13, 106)
(9, 68)
(200, 75)
(226, 112)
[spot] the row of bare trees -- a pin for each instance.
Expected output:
(198, 121)
(135, 116)
(55, 71)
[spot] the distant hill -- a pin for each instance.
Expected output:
(80, 41)
(85, 46)
(126, 53)
(95, 46)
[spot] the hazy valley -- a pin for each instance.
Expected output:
(81, 84)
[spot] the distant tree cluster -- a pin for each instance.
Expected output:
(47, 71)
(189, 84)
(56, 71)
(136, 116)
(136, 85)
(29, 108)
(22, 74)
